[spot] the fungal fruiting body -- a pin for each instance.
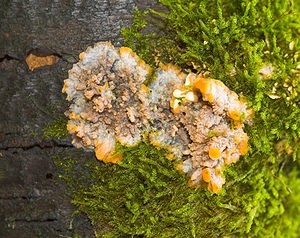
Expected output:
(198, 120)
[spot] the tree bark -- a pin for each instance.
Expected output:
(33, 201)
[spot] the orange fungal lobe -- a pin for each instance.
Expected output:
(214, 153)
(206, 175)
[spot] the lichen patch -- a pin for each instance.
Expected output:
(198, 120)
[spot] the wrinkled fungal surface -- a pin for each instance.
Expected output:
(197, 119)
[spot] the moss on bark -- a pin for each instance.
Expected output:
(233, 40)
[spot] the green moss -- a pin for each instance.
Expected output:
(222, 36)
(144, 196)
(56, 129)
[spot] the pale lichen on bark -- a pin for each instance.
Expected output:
(198, 120)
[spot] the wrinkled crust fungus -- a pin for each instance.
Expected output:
(197, 119)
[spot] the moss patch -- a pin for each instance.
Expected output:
(233, 40)
(56, 129)
(145, 197)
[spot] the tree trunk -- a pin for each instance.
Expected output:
(33, 201)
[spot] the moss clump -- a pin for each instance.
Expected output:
(56, 129)
(144, 196)
(234, 40)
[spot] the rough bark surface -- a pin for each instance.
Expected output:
(33, 201)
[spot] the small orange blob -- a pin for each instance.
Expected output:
(170, 156)
(206, 175)
(71, 127)
(65, 87)
(104, 151)
(82, 55)
(227, 157)
(210, 98)
(145, 89)
(126, 50)
(234, 115)
(113, 159)
(243, 147)
(74, 116)
(214, 153)
(179, 167)
(35, 61)
(174, 106)
(107, 157)
(213, 187)
(205, 86)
